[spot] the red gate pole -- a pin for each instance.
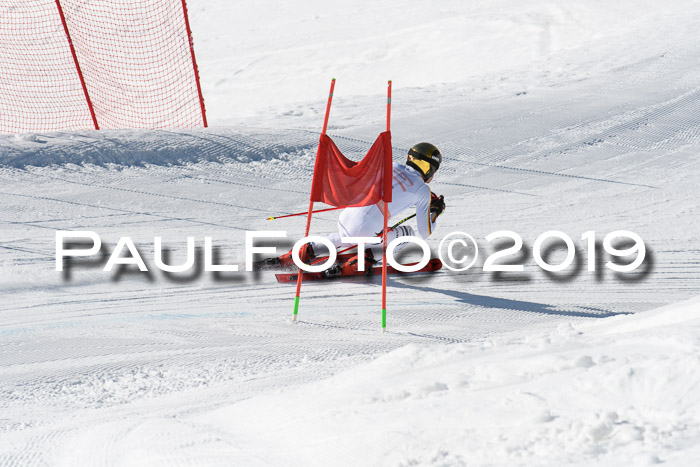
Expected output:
(311, 202)
(194, 63)
(386, 217)
(388, 108)
(77, 65)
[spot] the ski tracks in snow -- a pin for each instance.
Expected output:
(109, 368)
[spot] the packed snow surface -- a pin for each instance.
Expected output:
(620, 392)
(575, 117)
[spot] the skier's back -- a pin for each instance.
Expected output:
(409, 188)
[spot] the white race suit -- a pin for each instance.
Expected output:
(408, 189)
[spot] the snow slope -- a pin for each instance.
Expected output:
(570, 117)
(621, 392)
(267, 62)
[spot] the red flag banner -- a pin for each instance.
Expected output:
(338, 181)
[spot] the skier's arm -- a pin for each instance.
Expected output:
(426, 225)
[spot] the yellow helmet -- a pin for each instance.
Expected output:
(425, 158)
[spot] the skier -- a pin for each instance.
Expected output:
(409, 188)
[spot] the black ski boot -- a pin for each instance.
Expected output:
(349, 267)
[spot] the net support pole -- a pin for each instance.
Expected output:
(300, 275)
(386, 217)
(194, 63)
(77, 64)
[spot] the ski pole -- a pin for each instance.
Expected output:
(272, 218)
(398, 223)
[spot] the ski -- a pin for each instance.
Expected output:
(433, 265)
(274, 263)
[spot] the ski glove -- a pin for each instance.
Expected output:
(437, 206)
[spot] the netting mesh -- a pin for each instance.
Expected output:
(134, 55)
